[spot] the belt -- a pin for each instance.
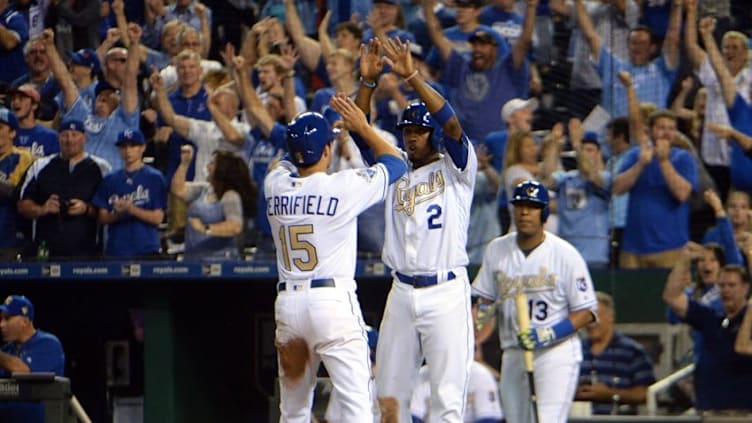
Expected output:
(313, 283)
(422, 281)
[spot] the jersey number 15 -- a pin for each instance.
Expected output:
(292, 239)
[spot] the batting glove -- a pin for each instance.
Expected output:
(534, 338)
(485, 313)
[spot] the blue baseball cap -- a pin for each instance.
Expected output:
(17, 305)
(102, 85)
(86, 57)
(72, 125)
(307, 135)
(485, 36)
(8, 117)
(130, 136)
(591, 137)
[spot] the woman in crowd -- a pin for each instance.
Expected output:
(218, 208)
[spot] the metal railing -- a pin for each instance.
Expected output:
(663, 384)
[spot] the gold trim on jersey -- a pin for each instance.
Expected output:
(508, 286)
(406, 198)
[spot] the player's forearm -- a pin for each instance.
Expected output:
(437, 106)
(581, 318)
(13, 364)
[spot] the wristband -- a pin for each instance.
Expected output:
(411, 76)
(443, 115)
(563, 328)
(369, 84)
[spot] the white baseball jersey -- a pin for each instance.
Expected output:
(556, 280)
(314, 225)
(313, 219)
(554, 277)
(427, 216)
(482, 396)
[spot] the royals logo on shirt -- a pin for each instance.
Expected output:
(407, 197)
(582, 284)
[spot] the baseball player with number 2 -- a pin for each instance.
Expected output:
(313, 215)
(427, 312)
(545, 274)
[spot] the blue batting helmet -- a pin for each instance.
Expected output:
(532, 192)
(417, 114)
(307, 135)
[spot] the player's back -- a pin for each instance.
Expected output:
(314, 218)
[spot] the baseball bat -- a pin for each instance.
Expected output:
(523, 320)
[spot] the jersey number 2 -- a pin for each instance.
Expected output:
(293, 234)
(434, 211)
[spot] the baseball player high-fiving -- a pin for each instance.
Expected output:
(560, 299)
(314, 220)
(427, 313)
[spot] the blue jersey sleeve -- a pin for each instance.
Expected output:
(457, 150)
(394, 165)
(365, 151)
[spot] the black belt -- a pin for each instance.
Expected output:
(422, 281)
(314, 283)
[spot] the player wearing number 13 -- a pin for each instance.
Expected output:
(556, 281)
(313, 216)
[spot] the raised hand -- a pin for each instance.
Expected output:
(662, 149)
(288, 56)
(48, 36)
(576, 132)
(626, 78)
(227, 54)
(646, 153)
(113, 36)
(352, 116)
(186, 154)
(371, 61)
(134, 32)
(398, 57)
(713, 200)
(200, 10)
(155, 80)
(707, 25)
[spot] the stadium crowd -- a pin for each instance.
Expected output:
(526, 79)
(144, 130)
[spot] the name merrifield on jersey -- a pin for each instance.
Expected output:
(509, 286)
(292, 205)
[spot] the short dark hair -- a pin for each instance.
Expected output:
(739, 270)
(645, 28)
(619, 126)
(660, 113)
(350, 27)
